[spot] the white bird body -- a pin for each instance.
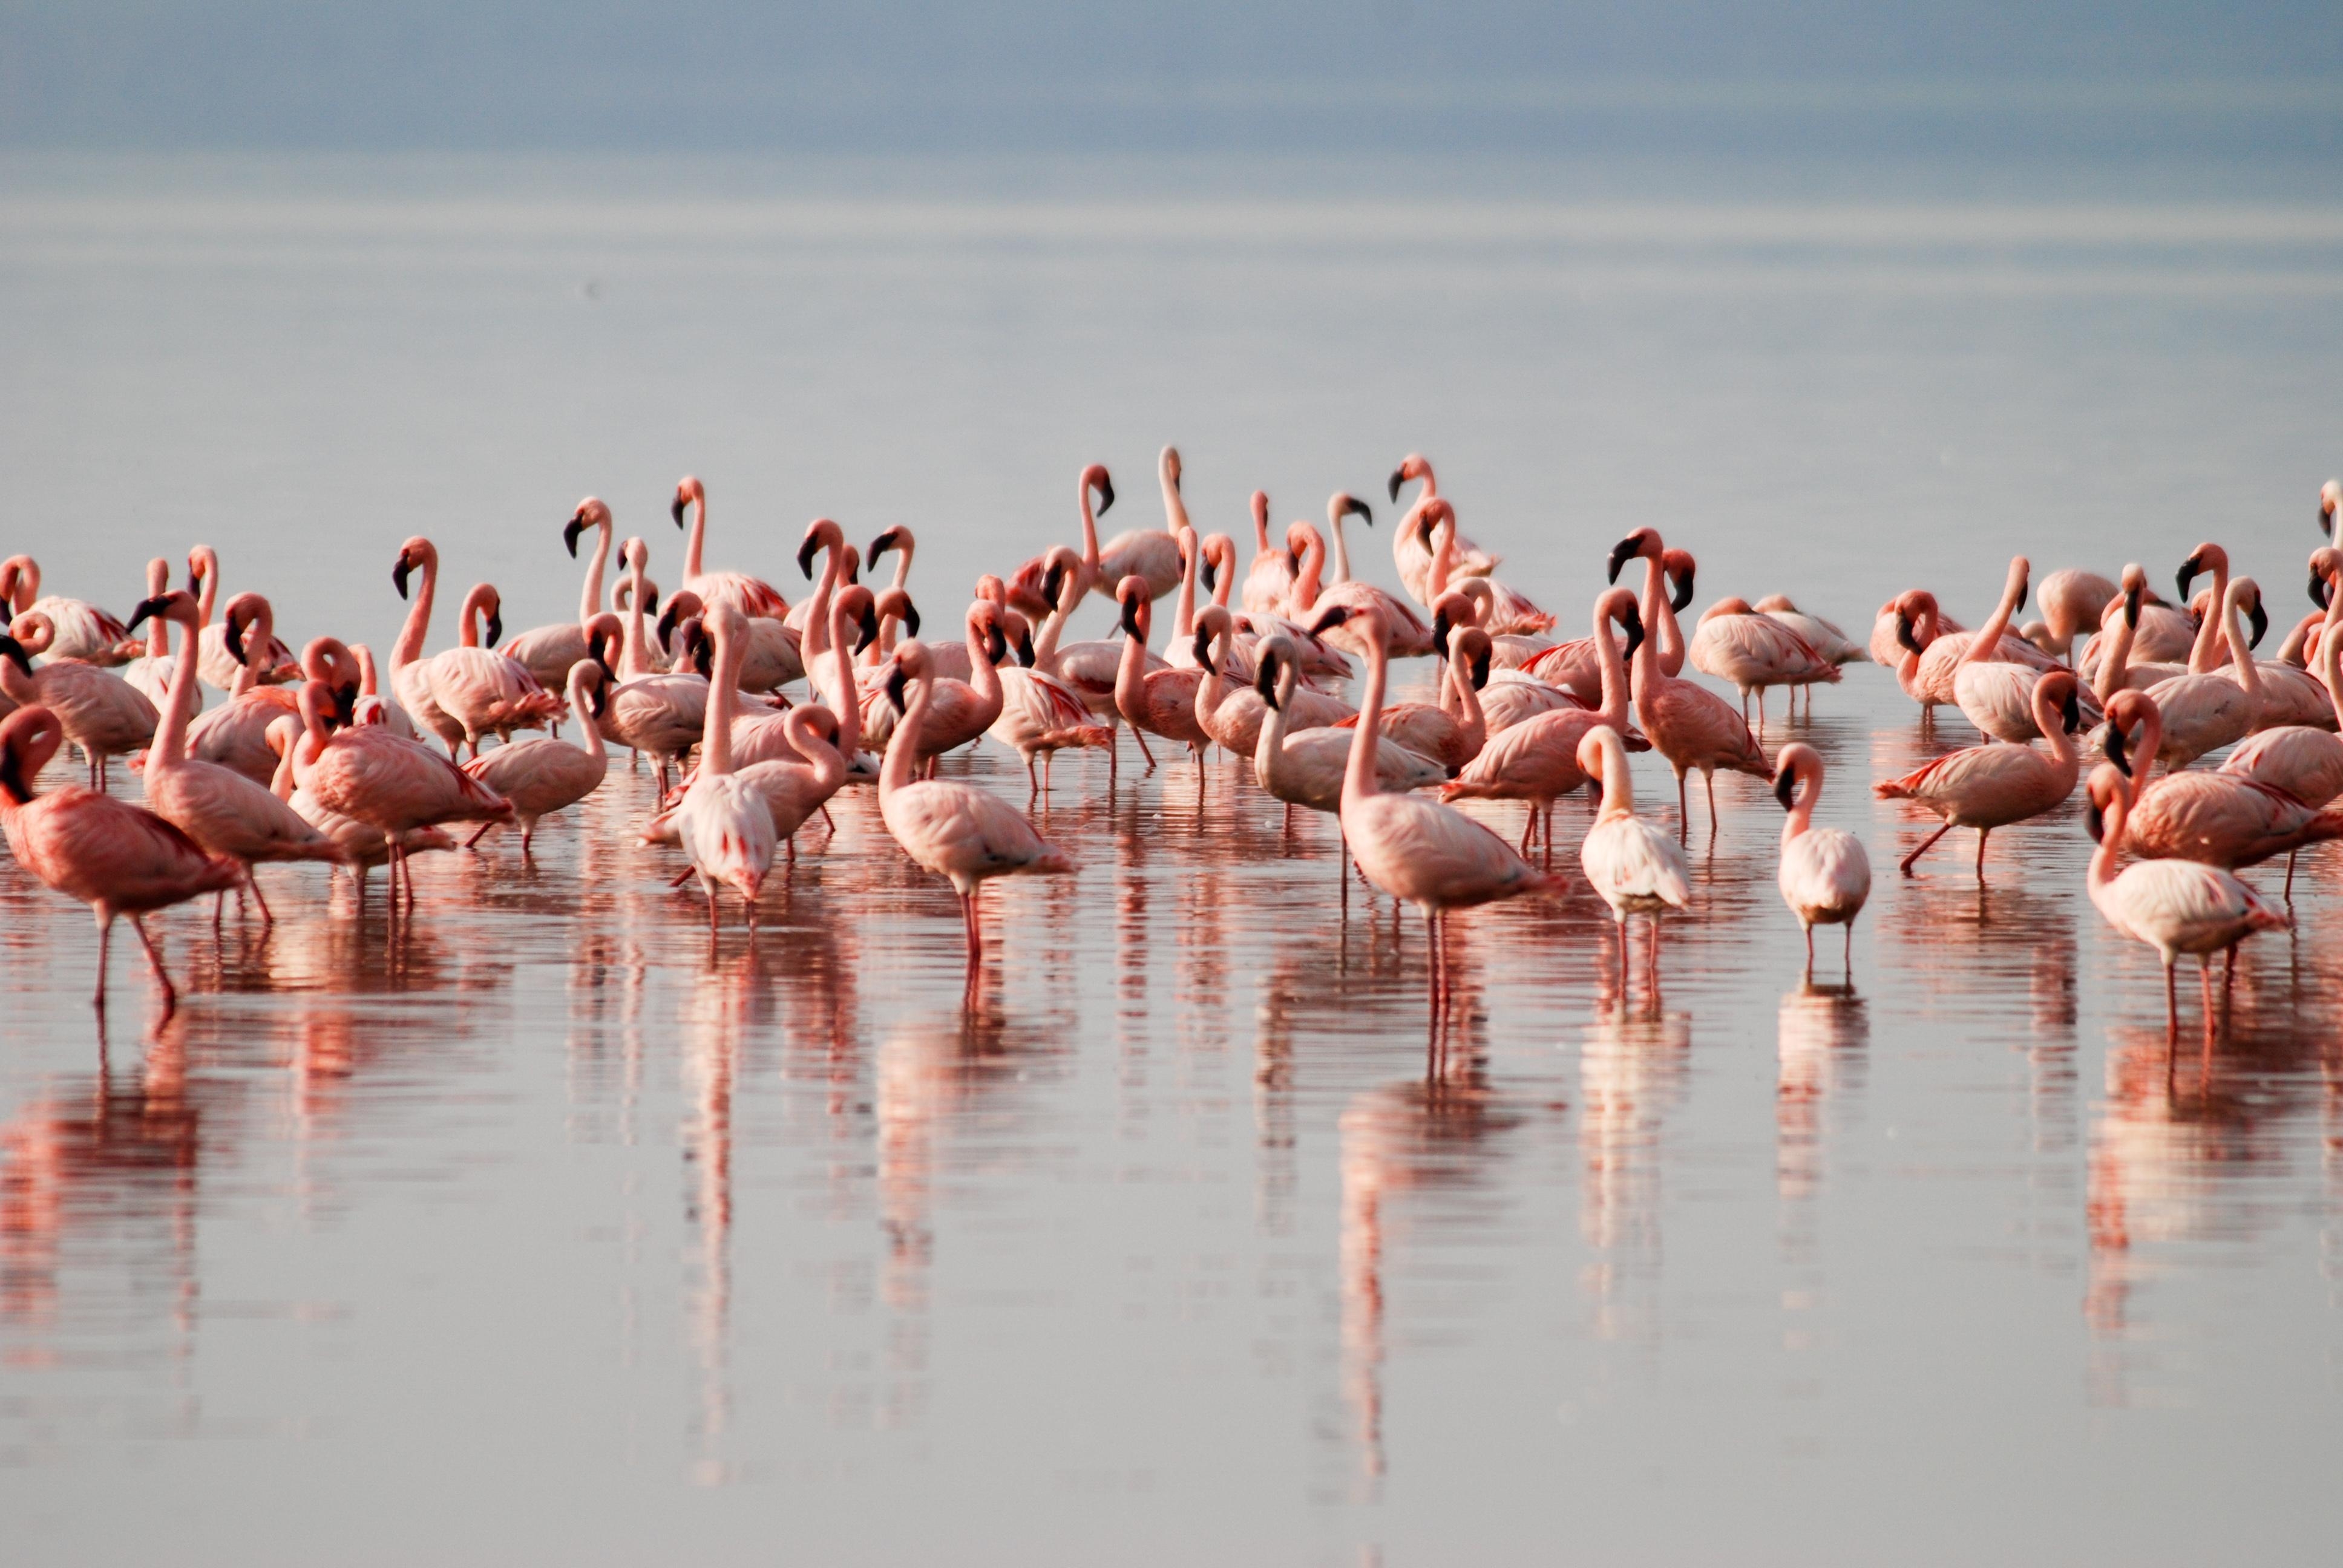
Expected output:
(1824, 873)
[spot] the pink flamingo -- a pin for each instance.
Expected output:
(2107, 663)
(1269, 585)
(1154, 702)
(2303, 759)
(725, 824)
(1152, 554)
(1537, 760)
(235, 734)
(103, 714)
(363, 845)
(221, 810)
(1994, 785)
(550, 652)
(78, 630)
(2207, 709)
(659, 712)
(960, 711)
(1638, 868)
(1736, 643)
(2071, 600)
(1418, 851)
(1042, 713)
(1449, 738)
(794, 787)
(750, 595)
(1949, 651)
(773, 655)
(222, 658)
(1028, 590)
(1825, 875)
(1689, 725)
(1228, 713)
(150, 673)
(1577, 666)
(1510, 611)
(2221, 818)
(1410, 549)
(956, 830)
(471, 689)
(372, 706)
(1823, 636)
(1410, 636)
(543, 775)
(396, 786)
(116, 857)
(1890, 629)
(1305, 766)
(2173, 906)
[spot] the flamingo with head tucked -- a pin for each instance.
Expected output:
(78, 629)
(1754, 651)
(751, 596)
(116, 857)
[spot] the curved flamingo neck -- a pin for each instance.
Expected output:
(1270, 750)
(1358, 773)
(1053, 625)
(1801, 820)
(418, 626)
(1175, 508)
(2330, 665)
(467, 620)
(2241, 657)
(984, 675)
(158, 635)
(902, 746)
(1341, 550)
(259, 637)
(582, 675)
(1260, 522)
(2149, 745)
(804, 734)
(1131, 670)
(2202, 654)
(1444, 558)
(207, 595)
(170, 747)
(904, 546)
(1183, 611)
(589, 602)
(1090, 530)
(1475, 722)
(1306, 574)
(1614, 673)
(815, 641)
(2110, 849)
(723, 688)
(1618, 784)
(634, 651)
(1655, 617)
(841, 654)
(1984, 643)
(2048, 719)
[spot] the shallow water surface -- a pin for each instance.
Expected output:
(545, 1227)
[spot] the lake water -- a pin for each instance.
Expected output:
(544, 1232)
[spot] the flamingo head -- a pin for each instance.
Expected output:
(911, 663)
(1618, 605)
(1680, 568)
(1642, 542)
(416, 555)
(1412, 466)
(689, 491)
(2322, 575)
(1299, 538)
(245, 611)
(2064, 689)
(682, 606)
(2128, 710)
(2206, 557)
(1474, 647)
(2109, 790)
(897, 537)
(855, 603)
(1589, 755)
(1343, 504)
(696, 647)
(1138, 611)
(1260, 510)
(492, 605)
(1169, 464)
(20, 583)
(2248, 593)
(1454, 608)
(28, 738)
(590, 514)
(984, 618)
(1733, 604)
(1020, 632)
(1793, 766)
(822, 534)
(177, 606)
(2330, 497)
(602, 634)
(1272, 669)
(1095, 478)
(1432, 516)
(895, 604)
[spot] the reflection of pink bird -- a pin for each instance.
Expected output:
(2174, 905)
(1994, 785)
(750, 595)
(218, 808)
(396, 786)
(1418, 851)
(1825, 875)
(956, 830)
(1689, 725)
(1537, 760)
(1638, 868)
(116, 857)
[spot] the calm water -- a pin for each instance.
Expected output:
(547, 1231)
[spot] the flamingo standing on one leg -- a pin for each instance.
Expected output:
(956, 830)
(1994, 785)
(114, 857)
(1825, 875)
(1638, 868)
(2174, 905)
(1418, 851)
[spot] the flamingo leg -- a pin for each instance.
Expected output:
(1138, 734)
(478, 834)
(682, 877)
(2171, 1002)
(104, 940)
(826, 820)
(1850, 926)
(1810, 951)
(1032, 782)
(1982, 833)
(1709, 779)
(1684, 810)
(1761, 711)
(2291, 854)
(1925, 846)
(154, 961)
(267, 919)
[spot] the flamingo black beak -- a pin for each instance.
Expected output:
(895, 684)
(2114, 747)
(1204, 650)
(569, 532)
(910, 617)
(703, 655)
(147, 607)
(2095, 823)
(1204, 573)
(1481, 673)
(1620, 554)
(1440, 628)
(1683, 595)
(869, 629)
(11, 777)
(194, 578)
(1130, 620)
(2025, 587)
(1264, 679)
(1353, 507)
(1106, 495)
(1786, 787)
(2258, 619)
(2073, 712)
(233, 637)
(675, 508)
(2187, 574)
(805, 556)
(495, 626)
(14, 652)
(996, 645)
(880, 545)
(1025, 655)
(2131, 607)
(1051, 581)
(1903, 638)
(1634, 637)
(1397, 479)
(1331, 619)
(398, 577)
(601, 700)
(2319, 592)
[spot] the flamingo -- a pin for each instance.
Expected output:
(363, 845)
(2173, 906)
(723, 820)
(543, 775)
(235, 734)
(1410, 550)
(750, 595)
(78, 630)
(794, 786)
(1825, 875)
(659, 712)
(1152, 554)
(1269, 585)
(2071, 599)
(1028, 591)
(221, 810)
(103, 714)
(1041, 713)
(1305, 767)
(395, 786)
(1823, 636)
(1419, 852)
(550, 652)
(956, 830)
(2206, 710)
(1994, 785)
(1228, 713)
(1511, 649)
(116, 858)
(2108, 664)
(1736, 643)
(1449, 738)
(220, 656)
(1995, 694)
(1180, 652)
(2303, 759)
(1154, 702)
(1510, 611)
(1537, 760)
(2288, 694)
(1577, 666)
(2222, 818)
(150, 673)
(473, 689)
(772, 654)
(1635, 867)
(1410, 636)
(1893, 629)
(1949, 651)
(960, 711)
(1689, 725)
(372, 706)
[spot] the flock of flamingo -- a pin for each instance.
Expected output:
(310, 757)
